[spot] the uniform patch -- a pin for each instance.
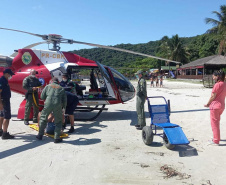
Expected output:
(42, 81)
(26, 58)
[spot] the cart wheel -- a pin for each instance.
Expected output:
(147, 135)
(166, 142)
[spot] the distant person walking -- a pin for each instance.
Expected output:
(216, 104)
(152, 81)
(161, 81)
(157, 80)
(141, 97)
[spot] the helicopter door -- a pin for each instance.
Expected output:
(107, 80)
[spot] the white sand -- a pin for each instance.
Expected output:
(110, 150)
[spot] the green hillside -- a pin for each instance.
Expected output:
(195, 47)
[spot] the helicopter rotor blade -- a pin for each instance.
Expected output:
(45, 37)
(123, 50)
(29, 46)
(56, 39)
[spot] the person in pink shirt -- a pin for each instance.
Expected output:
(216, 104)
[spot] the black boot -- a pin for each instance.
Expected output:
(26, 122)
(1, 132)
(35, 121)
(39, 137)
(139, 127)
(6, 135)
(71, 130)
(58, 140)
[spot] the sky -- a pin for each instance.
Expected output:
(105, 22)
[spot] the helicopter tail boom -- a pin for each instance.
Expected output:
(5, 61)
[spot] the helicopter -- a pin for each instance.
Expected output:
(100, 85)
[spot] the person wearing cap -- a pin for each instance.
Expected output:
(67, 84)
(55, 99)
(5, 110)
(31, 84)
(141, 93)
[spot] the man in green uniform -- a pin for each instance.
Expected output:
(55, 99)
(141, 97)
(31, 83)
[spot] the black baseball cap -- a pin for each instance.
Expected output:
(9, 71)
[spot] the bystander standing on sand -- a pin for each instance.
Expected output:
(216, 104)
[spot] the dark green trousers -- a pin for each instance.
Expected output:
(140, 111)
(29, 104)
(57, 113)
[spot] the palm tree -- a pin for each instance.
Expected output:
(173, 49)
(219, 27)
(178, 51)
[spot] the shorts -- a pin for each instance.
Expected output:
(71, 107)
(6, 113)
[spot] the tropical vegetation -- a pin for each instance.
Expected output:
(219, 28)
(182, 49)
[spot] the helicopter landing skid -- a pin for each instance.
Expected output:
(89, 109)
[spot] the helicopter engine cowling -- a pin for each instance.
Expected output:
(5, 61)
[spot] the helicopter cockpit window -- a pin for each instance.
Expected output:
(124, 86)
(92, 81)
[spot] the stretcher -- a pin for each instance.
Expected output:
(160, 117)
(36, 127)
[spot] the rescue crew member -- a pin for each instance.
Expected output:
(141, 97)
(72, 102)
(70, 86)
(67, 84)
(55, 99)
(31, 84)
(5, 110)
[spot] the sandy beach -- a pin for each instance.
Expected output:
(110, 150)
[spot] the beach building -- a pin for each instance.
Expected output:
(202, 69)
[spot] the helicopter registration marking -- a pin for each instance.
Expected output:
(48, 55)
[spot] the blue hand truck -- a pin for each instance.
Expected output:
(172, 134)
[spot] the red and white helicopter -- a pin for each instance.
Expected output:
(102, 85)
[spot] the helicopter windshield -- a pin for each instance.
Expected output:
(126, 89)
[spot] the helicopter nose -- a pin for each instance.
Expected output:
(5, 61)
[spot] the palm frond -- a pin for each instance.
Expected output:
(218, 14)
(213, 30)
(212, 21)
